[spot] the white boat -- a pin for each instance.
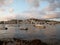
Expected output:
(39, 26)
(23, 27)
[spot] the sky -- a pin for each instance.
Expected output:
(24, 9)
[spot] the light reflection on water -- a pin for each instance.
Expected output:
(52, 32)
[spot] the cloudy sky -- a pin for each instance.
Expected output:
(23, 9)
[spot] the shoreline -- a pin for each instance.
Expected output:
(23, 42)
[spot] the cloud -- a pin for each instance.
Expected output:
(2, 9)
(49, 16)
(34, 3)
(52, 15)
(53, 4)
(24, 15)
(4, 15)
(11, 10)
(38, 15)
(5, 2)
(7, 17)
(28, 14)
(46, 13)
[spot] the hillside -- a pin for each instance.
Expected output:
(15, 21)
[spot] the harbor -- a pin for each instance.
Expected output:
(30, 30)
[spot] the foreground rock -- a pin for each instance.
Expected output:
(23, 42)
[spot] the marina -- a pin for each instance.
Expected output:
(29, 22)
(30, 31)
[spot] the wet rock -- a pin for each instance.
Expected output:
(37, 42)
(23, 42)
(1, 42)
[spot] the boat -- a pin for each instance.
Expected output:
(39, 26)
(2, 27)
(23, 28)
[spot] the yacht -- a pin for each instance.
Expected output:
(23, 28)
(39, 26)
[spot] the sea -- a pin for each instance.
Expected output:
(50, 34)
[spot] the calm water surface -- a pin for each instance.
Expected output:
(51, 34)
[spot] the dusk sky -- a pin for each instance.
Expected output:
(23, 9)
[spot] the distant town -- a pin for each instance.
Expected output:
(31, 20)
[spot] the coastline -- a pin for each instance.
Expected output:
(22, 42)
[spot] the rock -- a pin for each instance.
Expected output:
(23, 42)
(37, 42)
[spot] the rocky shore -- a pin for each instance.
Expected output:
(22, 42)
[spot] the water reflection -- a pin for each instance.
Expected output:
(51, 32)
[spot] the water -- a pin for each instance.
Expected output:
(51, 34)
